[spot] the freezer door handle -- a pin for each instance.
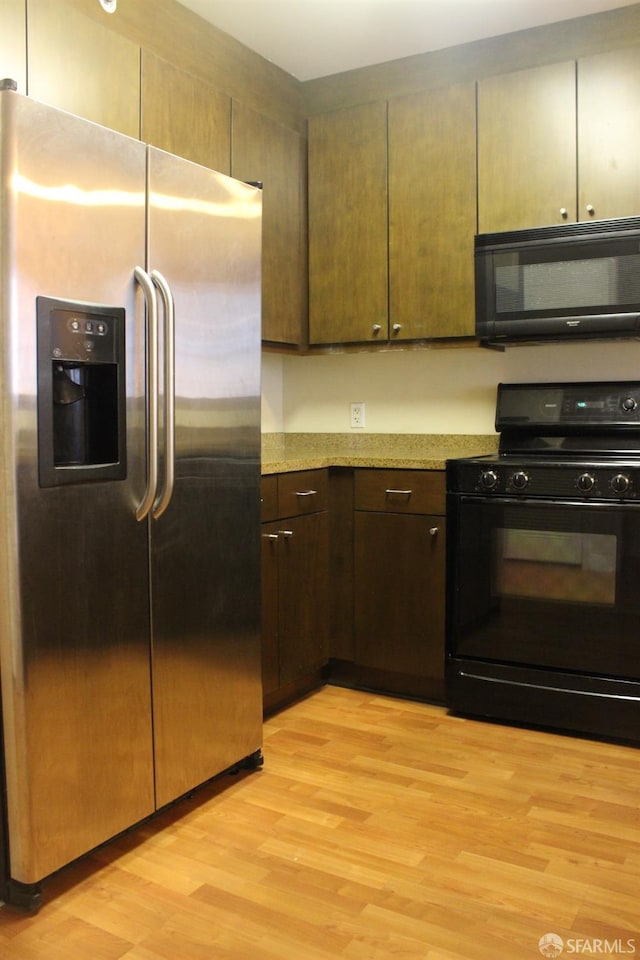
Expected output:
(148, 289)
(168, 304)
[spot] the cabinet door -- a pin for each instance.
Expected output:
(432, 213)
(181, 114)
(399, 593)
(82, 66)
(609, 135)
(13, 43)
(269, 573)
(527, 148)
(303, 584)
(348, 225)
(266, 151)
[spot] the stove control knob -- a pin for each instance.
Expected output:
(519, 480)
(620, 483)
(488, 479)
(585, 482)
(629, 404)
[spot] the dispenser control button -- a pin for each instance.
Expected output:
(74, 325)
(629, 404)
(88, 326)
(101, 328)
(89, 345)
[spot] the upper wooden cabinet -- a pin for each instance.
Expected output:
(609, 135)
(348, 289)
(266, 151)
(81, 66)
(527, 148)
(181, 114)
(392, 215)
(13, 43)
(432, 213)
(527, 123)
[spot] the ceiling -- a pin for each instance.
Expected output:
(316, 38)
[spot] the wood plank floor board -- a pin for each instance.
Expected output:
(378, 829)
(593, 830)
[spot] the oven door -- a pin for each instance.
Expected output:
(548, 584)
(543, 596)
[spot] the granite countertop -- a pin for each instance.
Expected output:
(286, 452)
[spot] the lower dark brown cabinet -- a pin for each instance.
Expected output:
(303, 572)
(399, 586)
(295, 582)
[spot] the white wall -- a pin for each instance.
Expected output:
(423, 391)
(272, 393)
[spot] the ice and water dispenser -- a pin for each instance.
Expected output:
(81, 392)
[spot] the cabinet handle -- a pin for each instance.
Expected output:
(434, 531)
(376, 328)
(397, 327)
(590, 209)
(564, 213)
(400, 493)
(306, 493)
(286, 533)
(270, 536)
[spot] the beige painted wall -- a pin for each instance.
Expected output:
(428, 391)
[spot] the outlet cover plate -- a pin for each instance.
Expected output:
(357, 415)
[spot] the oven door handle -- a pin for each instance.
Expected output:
(545, 502)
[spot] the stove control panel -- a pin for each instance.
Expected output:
(549, 480)
(566, 405)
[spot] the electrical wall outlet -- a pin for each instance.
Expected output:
(357, 415)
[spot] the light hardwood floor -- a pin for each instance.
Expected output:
(378, 829)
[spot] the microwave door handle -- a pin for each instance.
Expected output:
(151, 400)
(168, 303)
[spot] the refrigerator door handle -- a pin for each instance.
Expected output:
(166, 296)
(148, 288)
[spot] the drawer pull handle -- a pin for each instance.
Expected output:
(434, 531)
(270, 536)
(306, 493)
(399, 493)
(286, 533)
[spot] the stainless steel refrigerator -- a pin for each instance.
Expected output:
(129, 482)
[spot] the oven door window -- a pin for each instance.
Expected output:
(555, 565)
(551, 585)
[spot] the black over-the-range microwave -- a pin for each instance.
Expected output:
(570, 281)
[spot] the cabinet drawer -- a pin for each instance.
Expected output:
(302, 492)
(400, 491)
(269, 498)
